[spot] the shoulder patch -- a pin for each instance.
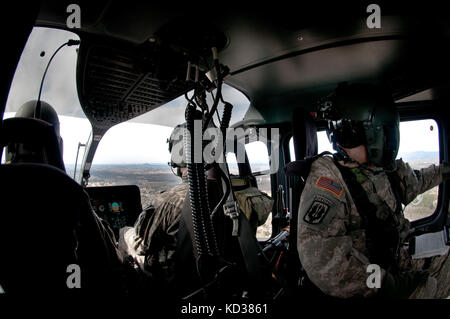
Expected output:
(330, 185)
(317, 211)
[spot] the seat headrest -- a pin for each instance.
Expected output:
(304, 133)
(33, 132)
(298, 168)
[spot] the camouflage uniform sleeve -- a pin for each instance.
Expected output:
(331, 255)
(415, 182)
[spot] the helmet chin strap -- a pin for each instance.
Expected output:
(341, 155)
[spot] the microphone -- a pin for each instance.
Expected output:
(37, 110)
(73, 42)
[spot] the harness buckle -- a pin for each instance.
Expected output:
(231, 209)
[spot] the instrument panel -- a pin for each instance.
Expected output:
(120, 206)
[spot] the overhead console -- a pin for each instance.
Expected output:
(118, 80)
(120, 206)
(115, 85)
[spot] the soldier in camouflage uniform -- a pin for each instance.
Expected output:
(336, 242)
(157, 229)
(153, 240)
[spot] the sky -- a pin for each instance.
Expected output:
(134, 141)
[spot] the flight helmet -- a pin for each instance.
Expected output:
(363, 114)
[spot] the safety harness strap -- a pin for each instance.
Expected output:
(250, 248)
(363, 205)
(380, 234)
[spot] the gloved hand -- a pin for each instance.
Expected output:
(446, 170)
(402, 284)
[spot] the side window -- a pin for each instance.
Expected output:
(291, 149)
(6, 115)
(419, 146)
(74, 131)
(258, 158)
(232, 163)
(322, 142)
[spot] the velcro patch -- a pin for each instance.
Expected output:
(317, 211)
(330, 185)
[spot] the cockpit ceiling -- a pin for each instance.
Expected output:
(316, 71)
(278, 58)
(300, 81)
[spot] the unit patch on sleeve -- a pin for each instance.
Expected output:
(317, 211)
(330, 185)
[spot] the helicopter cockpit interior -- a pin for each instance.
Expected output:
(142, 63)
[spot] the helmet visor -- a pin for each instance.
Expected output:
(349, 134)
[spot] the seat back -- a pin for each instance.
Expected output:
(304, 133)
(47, 221)
(47, 225)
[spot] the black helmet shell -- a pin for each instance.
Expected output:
(360, 114)
(28, 110)
(47, 113)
